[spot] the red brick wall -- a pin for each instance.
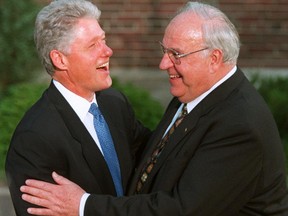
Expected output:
(134, 27)
(263, 29)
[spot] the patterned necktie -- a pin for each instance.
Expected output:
(107, 146)
(157, 151)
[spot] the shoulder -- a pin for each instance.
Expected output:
(110, 92)
(113, 98)
(111, 95)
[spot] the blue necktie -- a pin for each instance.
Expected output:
(107, 146)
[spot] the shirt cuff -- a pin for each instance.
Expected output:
(82, 203)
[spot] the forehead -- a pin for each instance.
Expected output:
(184, 27)
(88, 27)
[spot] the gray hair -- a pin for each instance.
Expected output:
(218, 31)
(55, 24)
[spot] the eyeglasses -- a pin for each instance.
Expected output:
(174, 55)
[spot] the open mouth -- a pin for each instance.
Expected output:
(103, 66)
(175, 76)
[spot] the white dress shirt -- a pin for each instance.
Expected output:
(81, 107)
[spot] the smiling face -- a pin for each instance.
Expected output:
(85, 69)
(191, 77)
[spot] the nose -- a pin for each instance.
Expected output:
(108, 50)
(165, 62)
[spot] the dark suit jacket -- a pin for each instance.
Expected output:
(225, 158)
(51, 137)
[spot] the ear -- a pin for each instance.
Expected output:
(58, 59)
(216, 59)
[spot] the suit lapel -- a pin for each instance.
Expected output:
(185, 128)
(153, 141)
(79, 132)
(160, 130)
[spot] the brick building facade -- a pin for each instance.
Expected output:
(134, 27)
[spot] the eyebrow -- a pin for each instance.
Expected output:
(169, 48)
(102, 36)
(173, 50)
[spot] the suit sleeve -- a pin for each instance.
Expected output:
(25, 159)
(216, 179)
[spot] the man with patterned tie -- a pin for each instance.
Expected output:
(58, 133)
(225, 157)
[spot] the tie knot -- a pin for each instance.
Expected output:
(94, 110)
(184, 110)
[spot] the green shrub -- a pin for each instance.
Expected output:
(18, 54)
(147, 110)
(18, 98)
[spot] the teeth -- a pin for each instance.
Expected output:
(103, 65)
(174, 76)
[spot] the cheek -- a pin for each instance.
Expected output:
(78, 62)
(189, 76)
(193, 79)
(86, 59)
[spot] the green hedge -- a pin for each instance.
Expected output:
(18, 98)
(147, 110)
(19, 59)
(15, 101)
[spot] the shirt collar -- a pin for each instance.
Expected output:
(191, 105)
(80, 105)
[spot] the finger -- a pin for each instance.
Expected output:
(40, 211)
(38, 192)
(60, 179)
(36, 200)
(38, 184)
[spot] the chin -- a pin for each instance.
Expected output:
(175, 93)
(109, 83)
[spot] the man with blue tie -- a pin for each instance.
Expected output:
(58, 132)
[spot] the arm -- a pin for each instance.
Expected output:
(212, 168)
(218, 179)
(28, 157)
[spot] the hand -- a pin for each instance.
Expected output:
(61, 199)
